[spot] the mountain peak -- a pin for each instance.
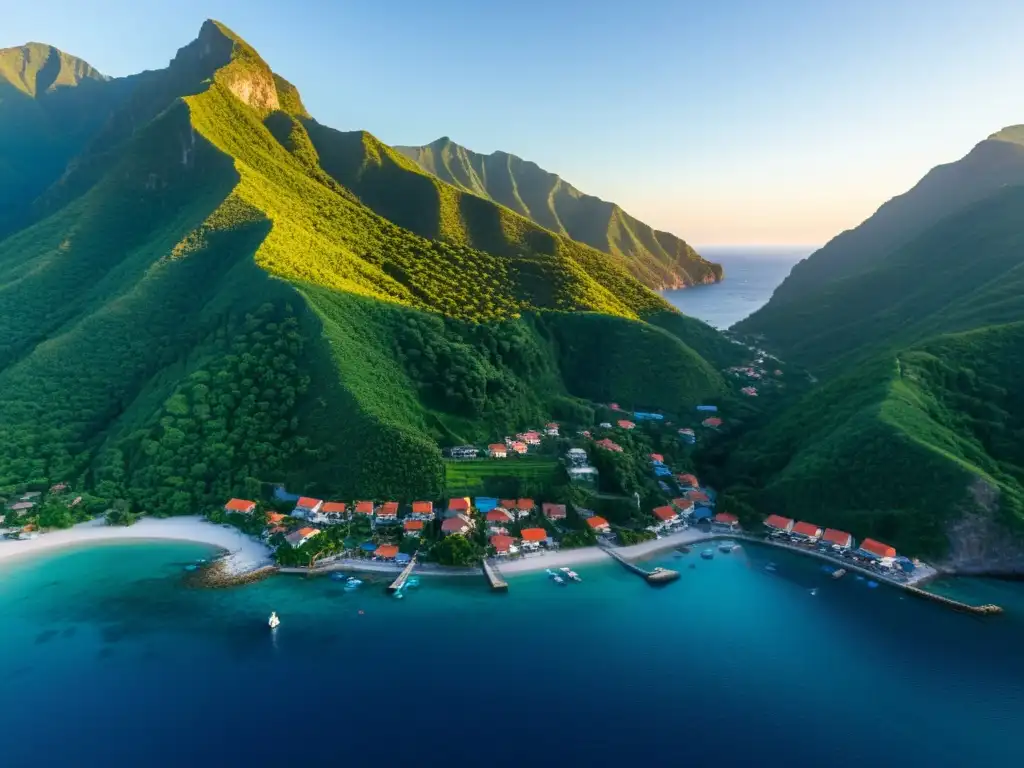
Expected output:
(39, 68)
(1014, 134)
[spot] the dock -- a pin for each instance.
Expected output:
(494, 576)
(657, 576)
(399, 583)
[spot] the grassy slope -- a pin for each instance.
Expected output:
(656, 258)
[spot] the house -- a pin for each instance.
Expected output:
(22, 507)
(551, 429)
(459, 506)
(31, 495)
(714, 422)
(749, 391)
(689, 481)
(778, 524)
(532, 437)
(877, 551)
(553, 511)
(702, 513)
(657, 458)
(532, 537)
(497, 450)
(499, 516)
(422, 510)
(462, 452)
(301, 536)
(685, 506)
(459, 524)
(305, 506)
(625, 424)
(275, 518)
(697, 497)
(240, 506)
(485, 504)
(387, 513)
(58, 488)
(509, 504)
(605, 425)
(414, 528)
(576, 457)
(837, 539)
(666, 514)
(334, 511)
(385, 552)
(598, 524)
(614, 406)
(806, 531)
(726, 520)
(503, 545)
(524, 507)
(708, 408)
(608, 445)
(364, 508)
(519, 447)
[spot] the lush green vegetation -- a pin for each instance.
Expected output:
(655, 258)
(516, 476)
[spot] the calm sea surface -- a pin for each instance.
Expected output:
(751, 274)
(109, 660)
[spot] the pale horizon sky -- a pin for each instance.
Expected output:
(746, 123)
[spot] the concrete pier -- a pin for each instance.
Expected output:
(494, 576)
(657, 576)
(403, 577)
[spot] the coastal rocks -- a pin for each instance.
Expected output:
(979, 544)
(221, 573)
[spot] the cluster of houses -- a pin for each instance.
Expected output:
(838, 541)
(21, 505)
(519, 445)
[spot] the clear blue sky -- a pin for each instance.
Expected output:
(726, 121)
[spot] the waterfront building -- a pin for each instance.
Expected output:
(806, 531)
(840, 539)
(240, 506)
(533, 537)
(778, 524)
(666, 515)
(726, 520)
(301, 536)
(503, 545)
(877, 551)
(598, 524)
(386, 552)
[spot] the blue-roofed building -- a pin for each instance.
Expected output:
(401, 558)
(703, 513)
(368, 546)
(708, 408)
(485, 504)
(660, 470)
(642, 416)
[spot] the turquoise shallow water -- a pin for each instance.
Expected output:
(110, 660)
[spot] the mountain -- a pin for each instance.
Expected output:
(51, 103)
(218, 292)
(657, 259)
(989, 168)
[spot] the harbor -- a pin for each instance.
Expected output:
(494, 576)
(398, 584)
(656, 576)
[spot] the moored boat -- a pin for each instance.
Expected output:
(707, 554)
(273, 622)
(838, 574)
(559, 580)
(574, 576)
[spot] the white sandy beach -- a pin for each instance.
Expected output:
(246, 554)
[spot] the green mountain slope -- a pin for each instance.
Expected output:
(658, 259)
(992, 166)
(51, 104)
(203, 306)
(905, 446)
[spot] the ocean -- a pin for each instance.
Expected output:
(751, 274)
(110, 659)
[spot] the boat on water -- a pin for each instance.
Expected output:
(551, 573)
(412, 581)
(338, 576)
(398, 594)
(563, 569)
(574, 576)
(727, 548)
(814, 591)
(273, 622)
(707, 554)
(770, 567)
(558, 580)
(838, 574)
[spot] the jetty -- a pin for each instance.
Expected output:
(657, 576)
(978, 610)
(399, 583)
(494, 576)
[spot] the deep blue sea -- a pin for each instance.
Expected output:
(751, 274)
(110, 660)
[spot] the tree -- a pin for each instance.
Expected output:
(455, 550)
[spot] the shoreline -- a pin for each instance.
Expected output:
(244, 555)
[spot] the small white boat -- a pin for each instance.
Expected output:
(814, 591)
(839, 574)
(559, 580)
(354, 581)
(565, 570)
(574, 576)
(273, 622)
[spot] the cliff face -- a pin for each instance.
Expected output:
(979, 544)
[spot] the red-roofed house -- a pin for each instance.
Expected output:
(497, 450)
(608, 445)
(530, 438)
(240, 506)
(714, 422)
(307, 507)
(554, 511)
(689, 481)
(614, 406)
(518, 446)
(685, 506)
(334, 509)
(657, 458)
(625, 424)
(876, 550)
(301, 536)
(503, 545)
(808, 531)
(726, 520)
(509, 504)
(666, 514)
(459, 506)
(364, 507)
(499, 516)
(388, 513)
(532, 537)
(698, 497)
(598, 524)
(840, 539)
(778, 523)
(458, 524)
(524, 507)
(385, 552)
(273, 518)
(422, 510)
(414, 528)
(551, 429)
